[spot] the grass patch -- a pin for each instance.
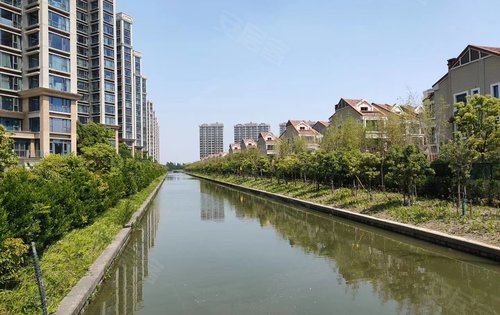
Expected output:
(66, 262)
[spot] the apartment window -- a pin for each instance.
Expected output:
(94, 16)
(81, 16)
(109, 75)
(33, 39)
(32, 18)
(82, 51)
(10, 103)
(108, 29)
(82, 39)
(10, 40)
(35, 124)
(59, 83)
(34, 104)
(108, 41)
(10, 18)
(110, 120)
(60, 125)
(57, 104)
(108, 18)
(108, 52)
(62, 147)
(11, 124)
(82, 28)
(84, 120)
(34, 81)
(60, 4)
(14, 3)
(33, 61)
(108, 6)
(83, 109)
(109, 98)
(82, 62)
(59, 63)
(475, 91)
(94, 5)
(59, 42)
(9, 82)
(110, 87)
(10, 61)
(109, 109)
(58, 21)
(495, 90)
(461, 97)
(110, 64)
(82, 74)
(95, 62)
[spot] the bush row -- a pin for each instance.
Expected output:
(62, 193)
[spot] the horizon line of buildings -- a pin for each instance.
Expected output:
(475, 71)
(65, 61)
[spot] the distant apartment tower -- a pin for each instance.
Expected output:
(38, 80)
(249, 131)
(211, 139)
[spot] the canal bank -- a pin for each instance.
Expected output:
(435, 237)
(206, 249)
(78, 297)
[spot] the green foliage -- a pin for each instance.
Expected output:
(124, 151)
(477, 122)
(407, 168)
(7, 155)
(67, 261)
(100, 158)
(63, 193)
(349, 136)
(172, 166)
(92, 134)
(12, 253)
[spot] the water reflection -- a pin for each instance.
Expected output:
(122, 292)
(252, 270)
(422, 278)
(212, 203)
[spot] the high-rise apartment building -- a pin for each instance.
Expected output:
(38, 85)
(249, 131)
(211, 139)
(58, 64)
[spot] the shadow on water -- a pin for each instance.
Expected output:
(421, 278)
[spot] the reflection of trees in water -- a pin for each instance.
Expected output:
(212, 203)
(122, 292)
(422, 282)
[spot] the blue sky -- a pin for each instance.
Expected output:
(237, 61)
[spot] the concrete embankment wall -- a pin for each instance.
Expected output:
(432, 236)
(78, 297)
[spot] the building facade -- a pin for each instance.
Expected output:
(267, 143)
(38, 86)
(58, 65)
(211, 140)
(301, 129)
(249, 131)
(475, 71)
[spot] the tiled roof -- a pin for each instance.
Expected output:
(308, 130)
(493, 50)
(266, 135)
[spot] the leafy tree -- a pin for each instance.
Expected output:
(7, 155)
(100, 158)
(407, 166)
(348, 136)
(124, 151)
(92, 134)
(477, 121)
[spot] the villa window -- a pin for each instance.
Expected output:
(495, 90)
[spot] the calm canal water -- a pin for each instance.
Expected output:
(207, 249)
